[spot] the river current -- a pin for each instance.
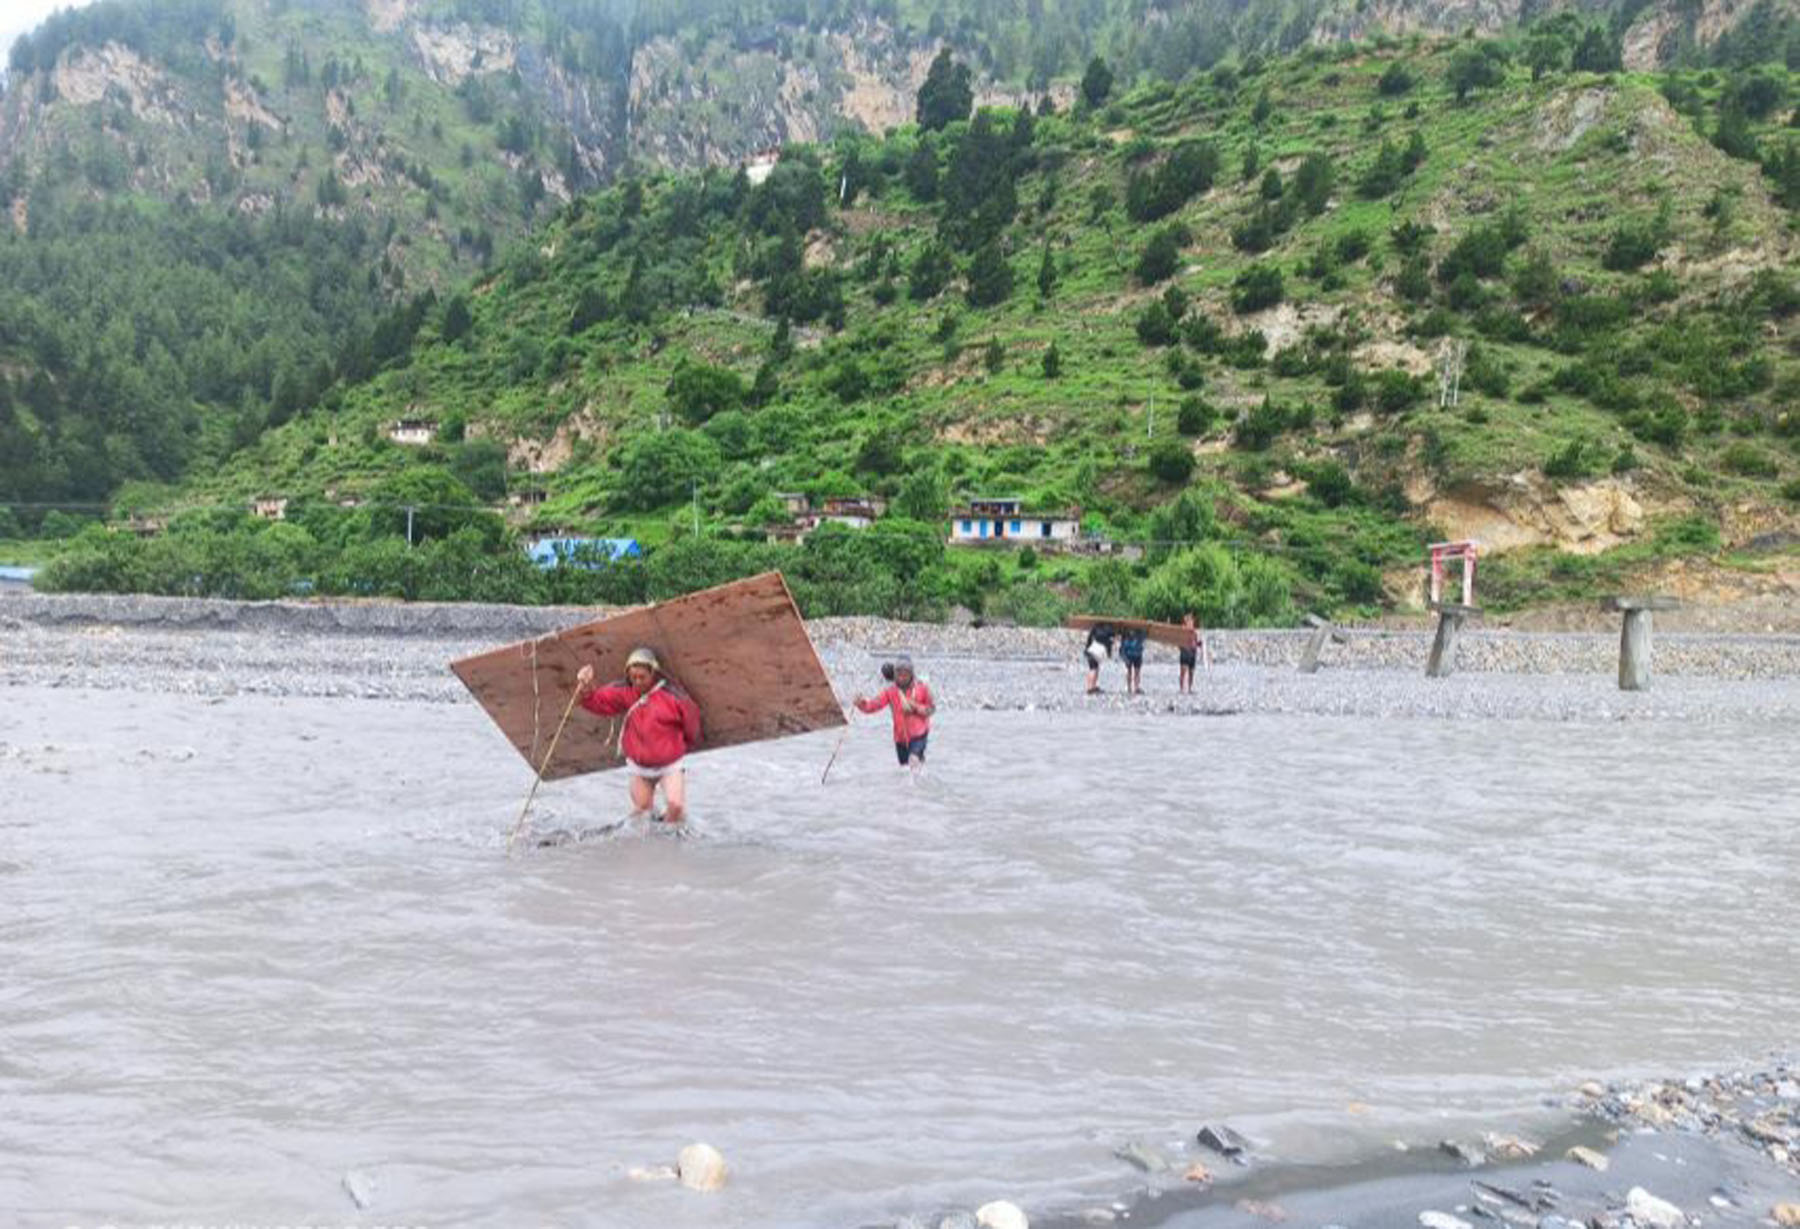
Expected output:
(251, 945)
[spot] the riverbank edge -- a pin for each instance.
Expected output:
(1721, 1149)
(1481, 649)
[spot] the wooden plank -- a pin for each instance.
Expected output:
(740, 650)
(1172, 634)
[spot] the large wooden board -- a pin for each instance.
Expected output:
(1172, 634)
(740, 650)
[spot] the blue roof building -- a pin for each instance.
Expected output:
(582, 552)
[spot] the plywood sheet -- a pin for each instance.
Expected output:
(1172, 634)
(740, 650)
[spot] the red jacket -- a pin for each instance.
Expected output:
(661, 725)
(907, 726)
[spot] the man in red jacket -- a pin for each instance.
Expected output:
(662, 724)
(910, 700)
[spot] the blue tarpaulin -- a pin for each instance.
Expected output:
(583, 552)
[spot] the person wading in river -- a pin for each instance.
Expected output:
(1097, 649)
(910, 701)
(662, 724)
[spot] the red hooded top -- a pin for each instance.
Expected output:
(661, 725)
(907, 726)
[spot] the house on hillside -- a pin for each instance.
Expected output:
(575, 552)
(270, 507)
(856, 511)
(761, 164)
(851, 511)
(1000, 521)
(146, 526)
(413, 431)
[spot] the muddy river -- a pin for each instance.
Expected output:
(251, 945)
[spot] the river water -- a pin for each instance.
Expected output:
(252, 944)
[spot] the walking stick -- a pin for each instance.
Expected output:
(525, 810)
(845, 733)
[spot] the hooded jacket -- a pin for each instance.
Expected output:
(661, 725)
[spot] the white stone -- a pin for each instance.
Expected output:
(651, 1173)
(1653, 1213)
(702, 1167)
(1587, 1156)
(1001, 1215)
(1443, 1220)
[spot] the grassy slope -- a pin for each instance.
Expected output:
(1016, 430)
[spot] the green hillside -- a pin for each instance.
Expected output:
(206, 204)
(1240, 289)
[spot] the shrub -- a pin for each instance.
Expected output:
(1396, 80)
(697, 391)
(1155, 327)
(1330, 483)
(1195, 416)
(1256, 288)
(1749, 461)
(1171, 462)
(1161, 256)
(1575, 459)
(1256, 430)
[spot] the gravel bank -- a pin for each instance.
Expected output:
(378, 650)
(1721, 1149)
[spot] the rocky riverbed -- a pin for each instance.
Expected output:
(1718, 1149)
(389, 651)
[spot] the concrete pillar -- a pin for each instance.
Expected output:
(1442, 662)
(1635, 651)
(1634, 636)
(1315, 644)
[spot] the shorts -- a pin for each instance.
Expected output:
(1094, 656)
(1132, 659)
(912, 750)
(1189, 658)
(652, 774)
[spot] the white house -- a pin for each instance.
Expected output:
(271, 508)
(761, 164)
(999, 521)
(413, 431)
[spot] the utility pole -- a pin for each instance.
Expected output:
(409, 524)
(694, 484)
(1150, 419)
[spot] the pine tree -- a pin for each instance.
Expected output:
(1096, 82)
(1046, 278)
(990, 276)
(1052, 362)
(947, 94)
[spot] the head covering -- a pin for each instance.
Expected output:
(903, 662)
(643, 657)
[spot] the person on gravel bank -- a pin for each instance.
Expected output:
(662, 724)
(1190, 652)
(909, 699)
(1131, 652)
(1098, 648)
